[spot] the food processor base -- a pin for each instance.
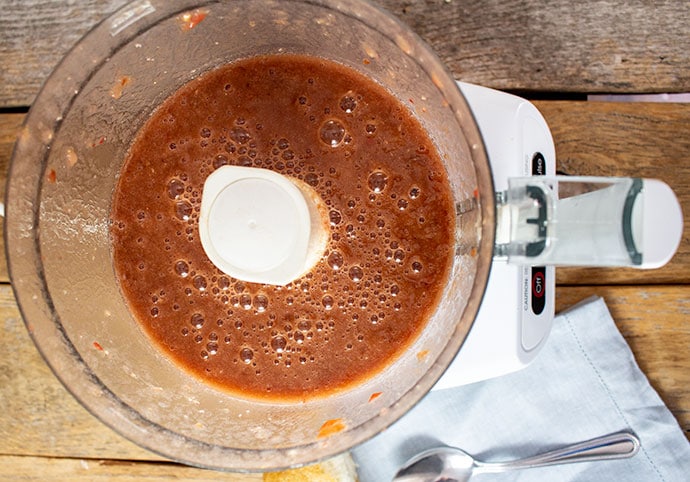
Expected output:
(517, 310)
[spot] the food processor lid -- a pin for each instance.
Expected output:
(259, 226)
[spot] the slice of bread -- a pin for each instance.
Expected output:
(340, 468)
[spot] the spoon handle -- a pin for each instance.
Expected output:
(615, 446)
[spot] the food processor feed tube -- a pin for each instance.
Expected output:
(260, 226)
(589, 221)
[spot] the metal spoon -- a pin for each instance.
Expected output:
(450, 464)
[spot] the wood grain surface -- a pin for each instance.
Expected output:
(649, 140)
(553, 46)
(544, 50)
(591, 138)
(37, 408)
(557, 45)
(654, 321)
(44, 469)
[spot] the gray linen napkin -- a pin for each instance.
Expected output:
(583, 384)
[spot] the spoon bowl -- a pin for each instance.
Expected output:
(451, 464)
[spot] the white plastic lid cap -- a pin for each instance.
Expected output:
(255, 225)
(657, 223)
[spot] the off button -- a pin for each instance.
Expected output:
(538, 282)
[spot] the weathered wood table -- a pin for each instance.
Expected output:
(554, 53)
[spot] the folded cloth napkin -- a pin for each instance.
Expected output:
(585, 383)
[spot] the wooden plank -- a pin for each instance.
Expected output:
(558, 46)
(627, 140)
(10, 124)
(43, 469)
(592, 138)
(39, 418)
(654, 322)
(45, 434)
(35, 35)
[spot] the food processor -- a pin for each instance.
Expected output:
(499, 159)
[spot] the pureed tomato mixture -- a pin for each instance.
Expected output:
(391, 228)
